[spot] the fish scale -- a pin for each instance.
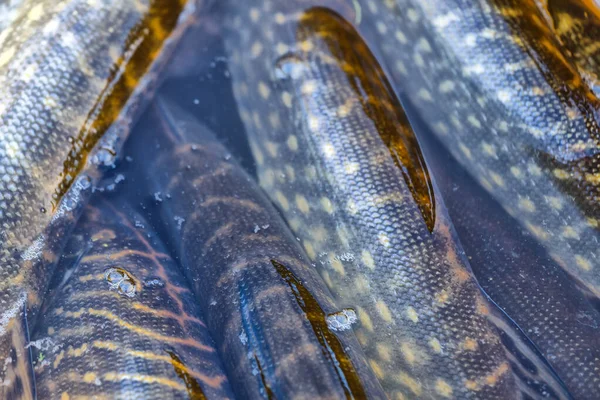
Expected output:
(120, 320)
(336, 154)
(65, 77)
(512, 109)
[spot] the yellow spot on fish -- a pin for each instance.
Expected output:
(292, 142)
(443, 388)
(377, 369)
(365, 320)
(328, 150)
(539, 232)
(570, 233)
(271, 148)
(497, 179)
(367, 259)
(351, 207)
(435, 345)
(310, 251)
(401, 37)
(534, 170)
(383, 239)
(470, 344)
(583, 263)
(489, 149)
(351, 167)
(560, 174)
(361, 284)
(410, 383)
(412, 314)
(327, 205)
(308, 87)
(286, 97)
(282, 200)
(384, 352)
(517, 173)
(281, 48)
(6, 55)
(313, 122)
(474, 121)
(310, 172)
(254, 14)
(306, 46)
(256, 49)
(36, 12)
(336, 265)
(279, 18)
(65, 396)
(383, 311)
(526, 205)
(555, 202)
(446, 86)
(89, 377)
(302, 204)
(465, 150)
(471, 385)
(264, 91)
(425, 95)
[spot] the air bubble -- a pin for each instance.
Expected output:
(342, 320)
(288, 66)
(154, 282)
(121, 281)
(84, 182)
(105, 157)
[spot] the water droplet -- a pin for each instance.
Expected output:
(105, 157)
(289, 66)
(154, 282)
(342, 320)
(120, 280)
(84, 182)
(158, 197)
(42, 210)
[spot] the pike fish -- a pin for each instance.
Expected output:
(72, 74)
(120, 320)
(276, 327)
(496, 86)
(335, 151)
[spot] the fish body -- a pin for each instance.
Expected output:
(336, 153)
(494, 84)
(68, 72)
(120, 320)
(276, 327)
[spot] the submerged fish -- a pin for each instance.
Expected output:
(121, 321)
(335, 151)
(276, 327)
(69, 70)
(499, 91)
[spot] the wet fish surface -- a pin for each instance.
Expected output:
(120, 320)
(69, 70)
(276, 327)
(497, 88)
(336, 153)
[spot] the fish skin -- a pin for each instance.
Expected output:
(516, 115)
(64, 80)
(266, 307)
(322, 156)
(577, 24)
(140, 338)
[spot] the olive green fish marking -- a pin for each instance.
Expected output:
(577, 24)
(242, 261)
(500, 92)
(120, 320)
(64, 66)
(320, 118)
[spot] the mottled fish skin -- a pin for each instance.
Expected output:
(577, 25)
(493, 83)
(122, 322)
(266, 306)
(336, 153)
(516, 271)
(68, 71)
